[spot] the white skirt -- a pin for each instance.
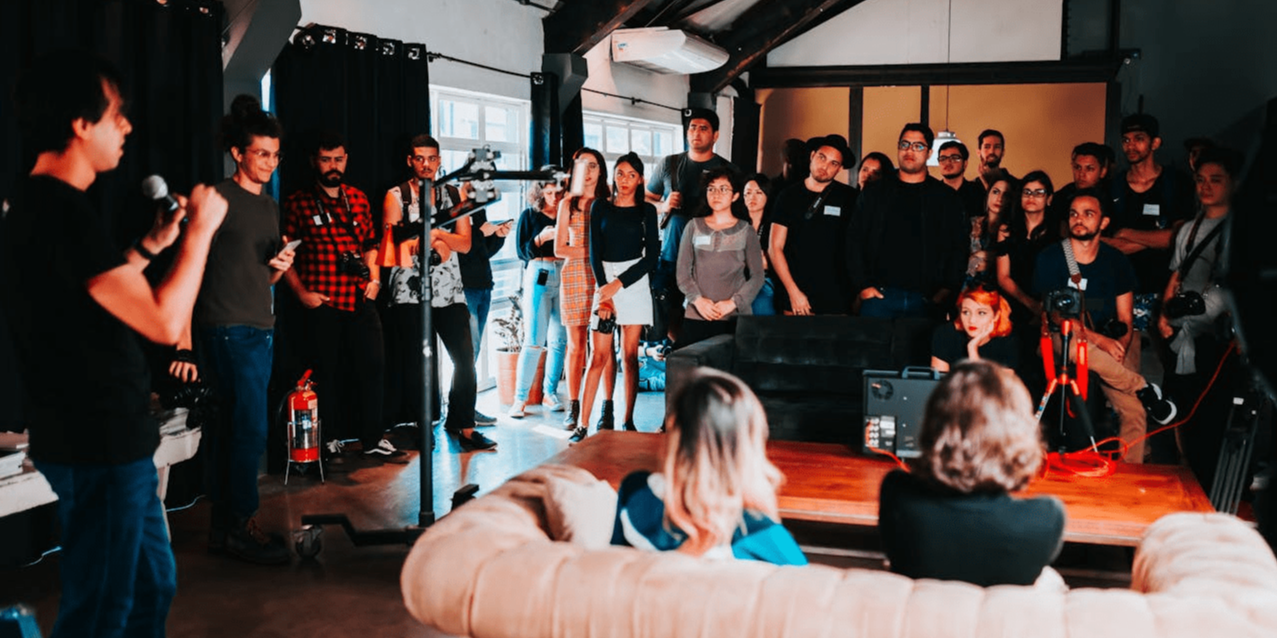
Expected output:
(634, 302)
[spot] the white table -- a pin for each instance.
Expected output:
(29, 489)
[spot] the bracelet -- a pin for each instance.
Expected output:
(141, 250)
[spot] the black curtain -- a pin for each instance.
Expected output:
(170, 56)
(373, 91)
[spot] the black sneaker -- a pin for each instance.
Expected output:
(386, 451)
(607, 419)
(483, 419)
(1159, 408)
(475, 441)
(579, 434)
(249, 543)
(574, 415)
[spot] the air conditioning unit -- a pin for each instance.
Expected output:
(666, 50)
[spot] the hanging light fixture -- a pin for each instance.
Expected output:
(945, 135)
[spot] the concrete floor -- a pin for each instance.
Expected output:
(346, 590)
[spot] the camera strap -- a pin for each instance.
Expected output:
(349, 224)
(1195, 251)
(1075, 275)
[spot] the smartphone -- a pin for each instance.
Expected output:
(542, 278)
(292, 245)
(578, 176)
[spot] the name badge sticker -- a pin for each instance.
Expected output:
(318, 219)
(701, 240)
(833, 211)
(1152, 210)
(1080, 286)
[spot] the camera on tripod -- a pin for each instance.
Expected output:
(352, 264)
(1064, 302)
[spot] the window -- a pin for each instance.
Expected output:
(464, 121)
(615, 136)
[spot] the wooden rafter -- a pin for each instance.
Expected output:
(578, 25)
(762, 28)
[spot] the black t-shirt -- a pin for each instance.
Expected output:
(622, 233)
(682, 174)
(910, 236)
(531, 223)
(85, 378)
(1105, 279)
(815, 244)
(983, 539)
(236, 290)
(476, 265)
(1167, 201)
(949, 345)
(973, 197)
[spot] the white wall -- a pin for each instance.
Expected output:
(916, 32)
(498, 33)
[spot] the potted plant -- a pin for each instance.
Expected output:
(509, 329)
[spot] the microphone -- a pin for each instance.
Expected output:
(156, 189)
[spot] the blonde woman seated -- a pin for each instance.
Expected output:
(716, 495)
(953, 516)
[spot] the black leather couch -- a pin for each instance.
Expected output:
(807, 370)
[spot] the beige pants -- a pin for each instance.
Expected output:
(1120, 382)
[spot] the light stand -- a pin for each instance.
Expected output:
(480, 168)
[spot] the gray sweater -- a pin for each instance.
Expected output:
(714, 264)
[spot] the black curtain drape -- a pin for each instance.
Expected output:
(373, 91)
(170, 56)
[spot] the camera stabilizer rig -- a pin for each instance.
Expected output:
(479, 169)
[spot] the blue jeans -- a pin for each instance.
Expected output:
(765, 303)
(118, 573)
(895, 303)
(543, 327)
(479, 301)
(236, 363)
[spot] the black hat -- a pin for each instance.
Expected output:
(1140, 122)
(836, 142)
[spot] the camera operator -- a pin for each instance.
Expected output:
(1191, 316)
(1107, 284)
(336, 278)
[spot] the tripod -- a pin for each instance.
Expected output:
(1068, 377)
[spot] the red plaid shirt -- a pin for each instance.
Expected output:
(327, 230)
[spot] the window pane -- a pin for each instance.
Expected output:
(618, 140)
(459, 119)
(594, 136)
(452, 160)
(498, 125)
(664, 144)
(641, 142)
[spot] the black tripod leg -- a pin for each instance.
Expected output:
(1083, 415)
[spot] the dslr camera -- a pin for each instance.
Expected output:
(351, 263)
(1189, 303)
(1065, 302)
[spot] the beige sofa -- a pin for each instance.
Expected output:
(529, 559)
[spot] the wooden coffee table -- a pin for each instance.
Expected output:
(832, 483)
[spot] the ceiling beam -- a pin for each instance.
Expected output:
(578, 25)
(760, 29)
(1046, 72)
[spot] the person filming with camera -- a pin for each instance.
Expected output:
(1104, 310)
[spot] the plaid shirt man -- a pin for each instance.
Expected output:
(329, 227)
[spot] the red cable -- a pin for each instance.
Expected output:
(1090, 463)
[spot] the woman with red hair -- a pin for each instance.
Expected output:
(981, 331)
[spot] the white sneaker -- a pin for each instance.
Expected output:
(518, 410)
(552, 402)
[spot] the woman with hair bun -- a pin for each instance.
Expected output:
(715, 496)
(982, 330)
(953, 517)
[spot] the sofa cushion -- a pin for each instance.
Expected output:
(813, 417)
(580, 512)
(820, 354)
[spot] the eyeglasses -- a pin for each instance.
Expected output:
(950, 158)
(721, 190)
(1039, 193)
(265, 155)
(905, 145)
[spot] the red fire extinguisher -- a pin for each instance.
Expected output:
(303, 425)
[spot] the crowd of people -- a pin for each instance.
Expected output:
(607, 253)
